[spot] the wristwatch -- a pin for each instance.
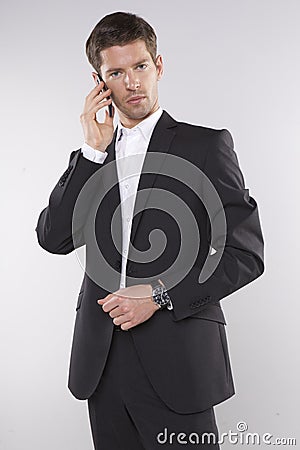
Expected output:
(160, 295)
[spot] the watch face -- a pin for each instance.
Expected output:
(157, 290)
(160, 296)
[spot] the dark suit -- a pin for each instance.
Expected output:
(183, 351)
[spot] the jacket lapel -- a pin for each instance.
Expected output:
(162, 136)
(160, 142)
(110, 175)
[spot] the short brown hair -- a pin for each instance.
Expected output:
(119, 28)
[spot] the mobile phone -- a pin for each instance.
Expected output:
(110, 108)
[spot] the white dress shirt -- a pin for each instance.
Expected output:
(129, 141)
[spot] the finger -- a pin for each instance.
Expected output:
(103, 92)
(123, 322)
(116, 312)
(105, 298)
(102, 301)
(99, 106)
(95, 91)
(101, 96)
(99, 85)
(109, 120)
(110, 304)
(96, 101)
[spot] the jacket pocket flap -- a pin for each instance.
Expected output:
(80, 295)
(210, 312)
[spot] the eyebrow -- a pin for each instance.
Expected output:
(120, 68)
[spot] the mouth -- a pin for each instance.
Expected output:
(135, 100)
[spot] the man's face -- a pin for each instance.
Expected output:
(132, 75)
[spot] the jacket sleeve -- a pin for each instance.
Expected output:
(242, 260)
(54, 226)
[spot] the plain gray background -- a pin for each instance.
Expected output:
(228, 64)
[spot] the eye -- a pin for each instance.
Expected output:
(142, 66)
(115, 74)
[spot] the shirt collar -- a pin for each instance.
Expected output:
(146, 126)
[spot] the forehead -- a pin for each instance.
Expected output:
(124, 56)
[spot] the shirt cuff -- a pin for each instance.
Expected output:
(90, 153)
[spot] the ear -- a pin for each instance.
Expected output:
(95, 76)
(159, 67)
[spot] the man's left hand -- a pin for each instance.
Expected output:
(130, 306)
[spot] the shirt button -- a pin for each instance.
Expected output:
(127, 186)
(128, 219)
(125, 252)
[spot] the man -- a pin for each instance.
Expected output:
(149, 347)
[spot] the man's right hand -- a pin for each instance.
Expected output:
(97, 135)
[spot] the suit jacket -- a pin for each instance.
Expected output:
(184, 351)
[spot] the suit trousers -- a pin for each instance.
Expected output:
(126, 413)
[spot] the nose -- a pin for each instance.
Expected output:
(131, 81)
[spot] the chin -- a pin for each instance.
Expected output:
(137, 112)
(140, 115)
